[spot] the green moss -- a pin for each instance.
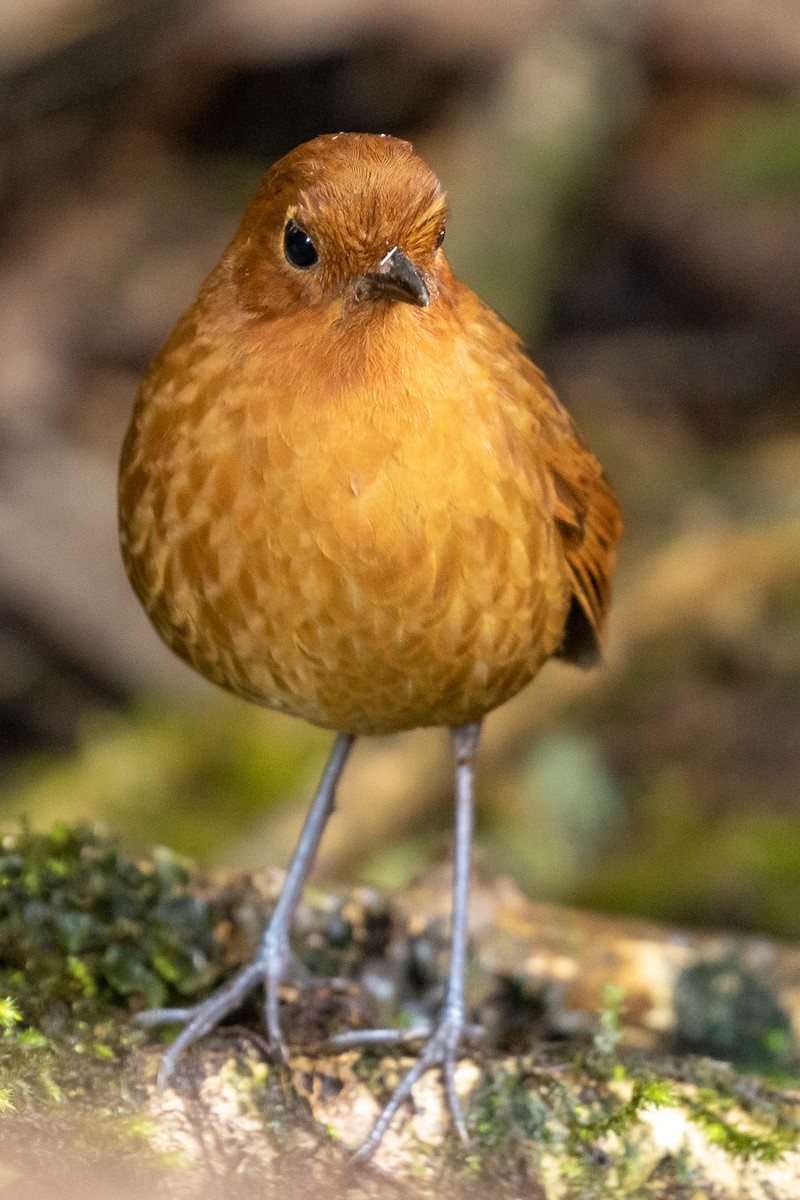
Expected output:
(590, 1121)
(725, 1010)
(83, 929)
(85, 932)
(585, 1114)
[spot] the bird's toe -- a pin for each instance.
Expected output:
(441, 1049)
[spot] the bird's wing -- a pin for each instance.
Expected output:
(583, 505)
(588, 521)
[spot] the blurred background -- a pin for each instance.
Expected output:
(624, 179)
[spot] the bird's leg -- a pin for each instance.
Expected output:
(441, 1047)
(269, 965)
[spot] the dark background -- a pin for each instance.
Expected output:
(624, 180)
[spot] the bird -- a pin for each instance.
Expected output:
(347, 493)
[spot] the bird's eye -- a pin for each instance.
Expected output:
(298, 247)
(439, 239)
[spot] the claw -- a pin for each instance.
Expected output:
(270, 965)
(203, 1017)
(152, 1017)
(440, 1050)
(398, 1037)
(449, 1072)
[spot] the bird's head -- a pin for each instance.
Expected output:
(351, 218)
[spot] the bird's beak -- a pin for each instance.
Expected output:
(395, 279)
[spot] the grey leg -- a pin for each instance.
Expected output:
(270, 962)
(441, 1048)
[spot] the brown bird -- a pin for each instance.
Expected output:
(347, 493)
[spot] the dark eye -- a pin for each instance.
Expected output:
(439, 239)
(298, 247)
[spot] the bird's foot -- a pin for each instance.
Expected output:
(440, 1050)
(395, 1037)
(269, 969)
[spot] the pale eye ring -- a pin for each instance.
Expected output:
(298, 247)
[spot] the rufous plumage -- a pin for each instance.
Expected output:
(346, 491)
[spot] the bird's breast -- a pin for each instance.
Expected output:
(371, 558)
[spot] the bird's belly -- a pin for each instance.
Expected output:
(365, 603)
(349, 651)
(368, 640)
